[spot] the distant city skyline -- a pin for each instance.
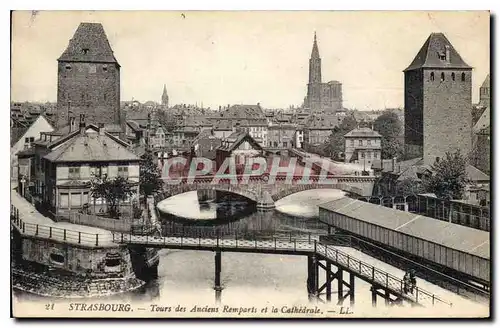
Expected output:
(221, 58)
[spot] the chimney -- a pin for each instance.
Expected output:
(394, 159)
(447, 53)
(101, 128)
(220, 108)
(82, 123)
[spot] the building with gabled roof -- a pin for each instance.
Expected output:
(240, 146)
(438, 101)
(88, 79)
(63, 168)
(362, 146)
(23, 138)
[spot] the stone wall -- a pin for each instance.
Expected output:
(92, 88)
(98, 262)
(447, 113)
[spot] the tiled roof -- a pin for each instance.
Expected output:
(232, 142)
(483, 122)
(91, 147)
(433, 48)
(475, 174)
(89, 44)
(486, 82)
(363, 132)
(322, 122)
(451, 235)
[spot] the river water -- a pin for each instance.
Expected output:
(187, 277)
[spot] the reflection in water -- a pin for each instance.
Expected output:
(229, 216)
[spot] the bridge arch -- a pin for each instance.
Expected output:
(292, 189)
(174, 190)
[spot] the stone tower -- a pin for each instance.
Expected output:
(88, 79)
(164, 97)
(438, 101)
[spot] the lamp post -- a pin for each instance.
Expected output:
(23, 181)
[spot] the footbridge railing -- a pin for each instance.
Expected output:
(361, 269)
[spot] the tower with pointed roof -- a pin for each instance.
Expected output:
(438, 101)
(164, 97)
(321, 96)
(88, 80)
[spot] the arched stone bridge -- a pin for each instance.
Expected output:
(264, 191)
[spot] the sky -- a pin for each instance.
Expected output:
(221, 58)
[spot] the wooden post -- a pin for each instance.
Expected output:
(79, 237)
(50, 232)
(97, 239)
(328, 281)
(374, 296)
(218, 269)
(64, 234)
(340, 285)
(351, 286)
(36, 233)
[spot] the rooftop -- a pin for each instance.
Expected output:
(455, 236)
(363, 132)
(89, 44)
(433, 54)
(91, 146)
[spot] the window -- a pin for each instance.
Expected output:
(64, 200)
(453, 76)
(432, 76)
(360, 142)
(92, 69)
(463, 77)
(442, 77)
(68, 67)
(98, 171)
(57, 258)
(112, 262)
(123, 171)
(376, 155)
(105, 68)
(285, 144)
(74, 173)
(362, 154)
(369, 142)
(85, 51)
(352, 142)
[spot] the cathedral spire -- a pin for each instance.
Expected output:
(315, 63)
(315, 51)
(164, 96)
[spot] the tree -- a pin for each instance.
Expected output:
(389, 126)
(167, 120)
(112, 190)
(449, 177)
(336, 142)
(150, 180)
(409, 187)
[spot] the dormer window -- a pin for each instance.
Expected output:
(442, 55)
(85, 51)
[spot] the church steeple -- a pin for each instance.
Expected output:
(315, 63)
(164, 96)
